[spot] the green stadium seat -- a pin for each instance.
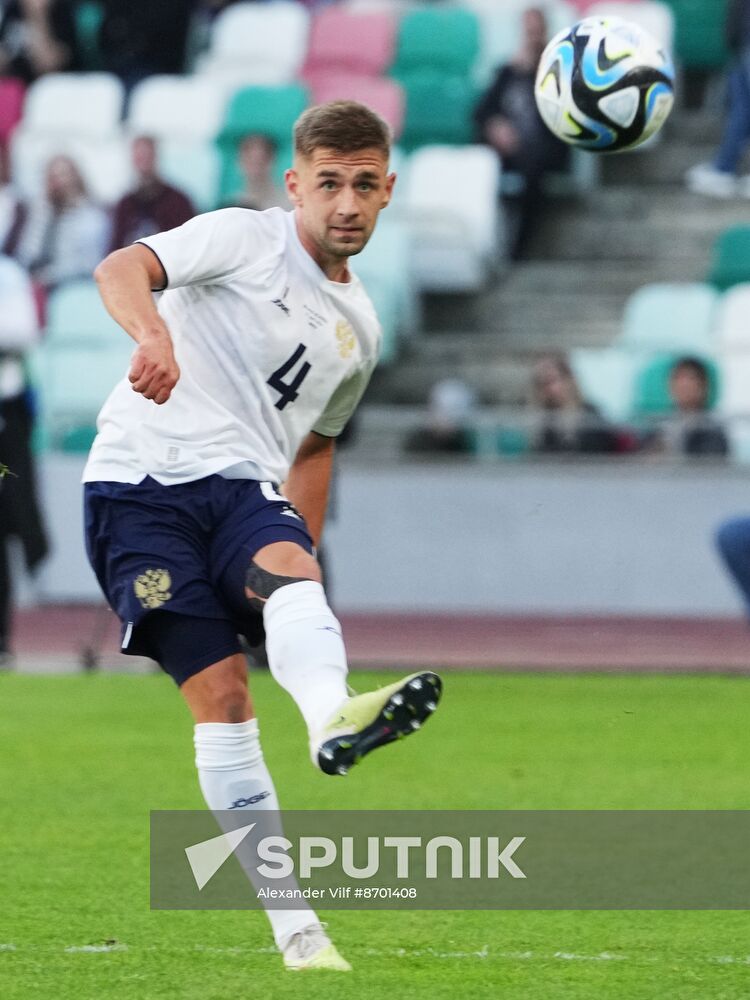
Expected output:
(699, 33)
(652, 385)
(731, 258)
(76, 315)
(72, 382)
(438, 109)
(444, 40)
(670, 317)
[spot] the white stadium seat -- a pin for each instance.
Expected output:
(194, 167)
(671, 317)
(607, 379)
(451, 205)
(82, 104)
(657, 18)
(185, 107)
(258, 43)
(733, 321)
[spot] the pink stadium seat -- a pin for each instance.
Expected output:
(361, 42)
(11, 105)
(383, 95)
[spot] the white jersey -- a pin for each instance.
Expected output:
(268, 349)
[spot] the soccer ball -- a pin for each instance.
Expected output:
(604, 85)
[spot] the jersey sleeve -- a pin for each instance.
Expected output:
(213, 247)
(343, 402)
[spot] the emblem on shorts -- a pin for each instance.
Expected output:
(346, 338)
(152, 588)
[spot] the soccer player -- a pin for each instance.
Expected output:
(259, 351)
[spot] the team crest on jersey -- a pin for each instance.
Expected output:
(346, 338)
(152, 588)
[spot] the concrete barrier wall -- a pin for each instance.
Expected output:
(512, 538)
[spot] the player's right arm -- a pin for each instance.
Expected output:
(126, 279)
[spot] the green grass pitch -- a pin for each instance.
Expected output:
(83, 760)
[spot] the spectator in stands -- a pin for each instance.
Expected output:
(66, 234)
(256, 157)
(690, 430)
(139, 38)
(36, 37)
(507, 119)
(152, 206)
(20, 516)
(719, 179)
(567, 423)
(12, 209)
(448, 427)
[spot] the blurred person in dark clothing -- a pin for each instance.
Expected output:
(256, 156)
(507, 119)
(719, 178)
(690, 430)
(20, 516)
(36, 37)
(139, 38)
(153, 206)
(65, 235)
(12, 209)
(568, 424)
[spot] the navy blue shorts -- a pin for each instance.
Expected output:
(184, 549)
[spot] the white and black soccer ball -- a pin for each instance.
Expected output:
(604, 85)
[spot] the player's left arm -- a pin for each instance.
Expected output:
(309, 480)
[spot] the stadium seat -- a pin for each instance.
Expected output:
(730, 263)
(384, 266)
(606, 378)
(670, 317)
(449, 199)
(652, 395)
(700, 39)
(185, 107)
(655, 17)
(18, 317)
(258, 43)
(87, 105)
(76, 317)
(361, 43)
(12, 93)
(438, 109)
(193, 167)
(72, 382)
(444, 40)
(733, 325)
(384, 96)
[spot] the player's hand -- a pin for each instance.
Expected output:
(153, 370)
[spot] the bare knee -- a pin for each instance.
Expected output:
(219, 693)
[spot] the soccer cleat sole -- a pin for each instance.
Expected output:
(405, 712)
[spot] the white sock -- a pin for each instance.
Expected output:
(231, 770)
(306, 650)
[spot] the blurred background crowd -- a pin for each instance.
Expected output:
(536, 302)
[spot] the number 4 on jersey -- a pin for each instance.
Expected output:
(288, 390)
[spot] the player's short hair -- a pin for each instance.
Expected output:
(344, 126)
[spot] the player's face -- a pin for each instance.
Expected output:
(338, 197)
